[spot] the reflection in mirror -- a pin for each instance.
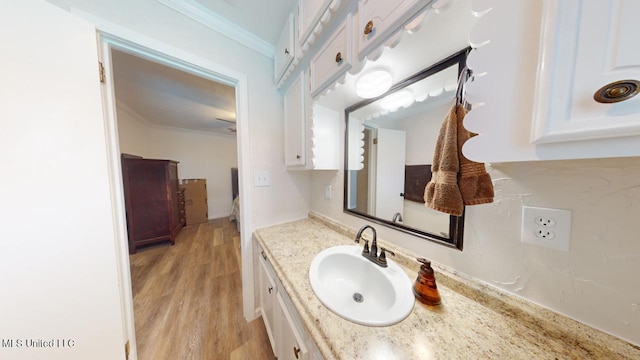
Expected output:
(390, 144)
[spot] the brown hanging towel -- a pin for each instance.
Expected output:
(456, 180)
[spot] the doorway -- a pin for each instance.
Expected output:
(177, 59)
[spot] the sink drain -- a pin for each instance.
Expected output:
(357, 297)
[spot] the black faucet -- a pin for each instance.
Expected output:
(372, 253)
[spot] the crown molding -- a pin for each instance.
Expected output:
(197, 12)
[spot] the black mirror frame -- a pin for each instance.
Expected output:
(456, 223)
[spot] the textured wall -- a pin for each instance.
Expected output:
(595, 282)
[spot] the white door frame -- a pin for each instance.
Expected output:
(112, 36)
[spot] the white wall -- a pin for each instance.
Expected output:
(200, 155)
(58, 251)
(154, 20)
(133, 131)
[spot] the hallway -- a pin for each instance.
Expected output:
(188, 298)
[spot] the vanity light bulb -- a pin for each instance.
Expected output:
(373, 84)
(402, 98)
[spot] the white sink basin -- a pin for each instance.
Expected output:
(359, 290)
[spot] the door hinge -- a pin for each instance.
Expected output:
(127, 350)
(103, 76)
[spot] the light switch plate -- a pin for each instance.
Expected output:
(261, 178)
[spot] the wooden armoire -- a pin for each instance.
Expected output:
(151, 200)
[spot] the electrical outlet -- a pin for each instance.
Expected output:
(327, 192)
(545, 221)
(544, 233)
(546, 227)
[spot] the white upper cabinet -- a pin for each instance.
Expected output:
(295, 123)
(312, 18)
(379, 19)
(311, 134)
(309, 13)
(544, 62)
(285, 49)
(587, 45)
(333, 59)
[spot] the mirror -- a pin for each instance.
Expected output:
(389, 147)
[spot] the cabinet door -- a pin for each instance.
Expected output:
(309, 14)
(285, 50)
(267, 300)
(587, 46)
(148, 211)
(291, 345)
(533, 85)
(295, 123)
(333, 59)
(378, 19)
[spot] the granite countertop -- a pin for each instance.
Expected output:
(474, 320)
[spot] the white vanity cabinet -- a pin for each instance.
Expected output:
(291, 344)
(333, 59)
(285, 50)
(267, 293)
(379, 19)
(544, 62)
(286, 333)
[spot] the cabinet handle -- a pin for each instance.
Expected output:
(338, 57)
(286, 51)
(270, 289)
(298, 157)
(263, 255)
(368, 28)
(617, 91)
(296, 351)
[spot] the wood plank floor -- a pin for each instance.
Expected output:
(188, 298)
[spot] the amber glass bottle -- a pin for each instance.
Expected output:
(425, 288)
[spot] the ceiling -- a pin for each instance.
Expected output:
(165, 96)
(264, 19)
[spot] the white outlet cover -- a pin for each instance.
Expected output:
(556, 221)
(327, 192)
(261, 178)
